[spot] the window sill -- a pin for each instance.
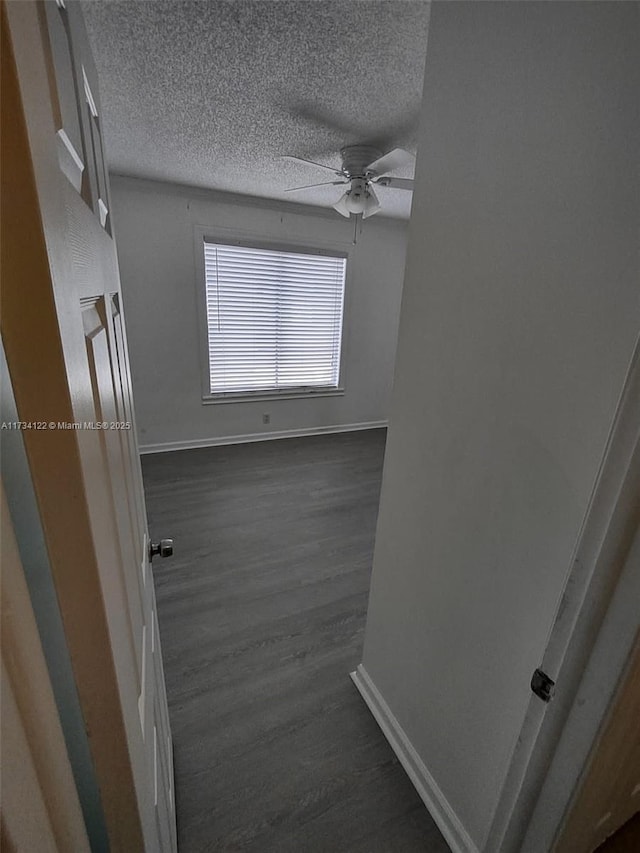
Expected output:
(258, 396)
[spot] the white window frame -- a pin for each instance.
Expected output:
(235, 237)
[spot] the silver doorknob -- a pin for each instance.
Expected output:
(164, 548)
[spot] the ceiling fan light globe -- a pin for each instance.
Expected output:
(341, 207)
(356, 203)
(372, 204)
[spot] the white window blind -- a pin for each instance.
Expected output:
(274, 318)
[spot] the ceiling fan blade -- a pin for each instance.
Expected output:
(311, 163)
(372, 204)
(309, 186)
(341, 207)
(395, 159)
(395, 183)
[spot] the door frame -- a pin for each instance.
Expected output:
(41, 807)
(612, 766)
(588, 646)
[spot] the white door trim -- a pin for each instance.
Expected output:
(541, 779)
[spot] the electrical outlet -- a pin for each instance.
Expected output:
(266, 418)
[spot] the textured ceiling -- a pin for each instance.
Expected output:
(210, 93)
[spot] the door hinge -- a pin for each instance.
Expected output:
(542, 685)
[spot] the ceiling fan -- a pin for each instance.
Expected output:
(362, 166)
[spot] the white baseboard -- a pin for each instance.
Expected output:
(444, 816)
(164, 447)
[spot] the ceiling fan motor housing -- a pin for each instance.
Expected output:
(355, 159)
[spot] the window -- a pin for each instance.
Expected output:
(274, 319)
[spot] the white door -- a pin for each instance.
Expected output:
(65, 340)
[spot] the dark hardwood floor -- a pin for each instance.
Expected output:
(261, 613)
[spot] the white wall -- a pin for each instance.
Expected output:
(519, 316)
(155, 225)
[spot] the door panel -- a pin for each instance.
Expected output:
(66, 350)
(64, 95)
(128, 436)
(95, 156)
(100, 367)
